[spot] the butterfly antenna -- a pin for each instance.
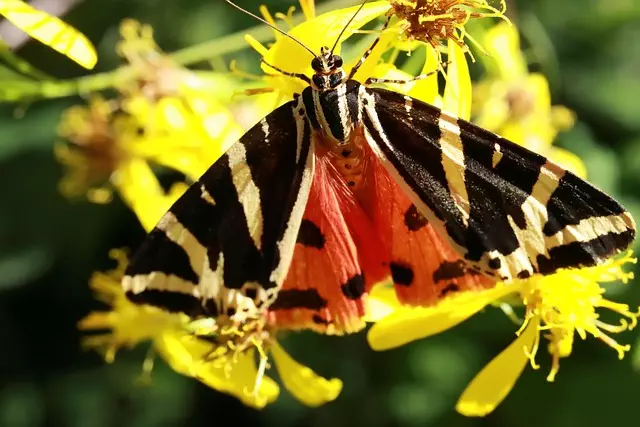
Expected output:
(272, 26)
(346, 26)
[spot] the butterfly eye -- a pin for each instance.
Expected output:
(337, 61)
(316, 64)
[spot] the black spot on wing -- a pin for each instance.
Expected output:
(354, 287)
(174, 302)
(450, 288)
(524, 274)
(298, 298)
(449, 270)
(401, 273)
(575, 200)
(413, 219)
(160, 254)
(495, 263)
(310, 235)
(319, 320)
(585, 253)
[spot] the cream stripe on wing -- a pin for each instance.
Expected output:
(248, 192)
(532, 240)
(287, 244)
(591, 228)
(453, 162)
(159, 281)
(179, 234)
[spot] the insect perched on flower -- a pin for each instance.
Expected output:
(348, 185)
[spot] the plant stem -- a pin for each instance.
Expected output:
(190, 55)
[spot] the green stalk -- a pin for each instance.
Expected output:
(190, 55)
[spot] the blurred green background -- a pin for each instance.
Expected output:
(49, 246)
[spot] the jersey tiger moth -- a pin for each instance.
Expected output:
(347, 185)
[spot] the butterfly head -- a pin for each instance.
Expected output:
(328, 72)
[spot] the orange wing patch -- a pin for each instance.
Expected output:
(423, 266)
(326, 285)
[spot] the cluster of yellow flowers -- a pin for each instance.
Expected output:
(171, 117)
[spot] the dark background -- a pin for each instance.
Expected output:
(49, 246)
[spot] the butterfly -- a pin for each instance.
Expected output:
(348, 185)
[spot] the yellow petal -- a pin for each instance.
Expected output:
(140, 189)
(372, 63)
(172, 348)
(51, 31)
(186, 355)
(568, 160)
(503, 46)
(302, 382)
(96, 320)
(538, 85)
(318, 32)
(382, 302)
(240, 381)
(495, 381)
(427, 89)
(457, 92)
(308, 9)
(256, 45)
(413, 323)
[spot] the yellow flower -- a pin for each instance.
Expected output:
(438, 22)
(228, 366)
(93, 154)
(558, 306)
(517, 104)
(293, 58)
(167, 117)
(316, 32)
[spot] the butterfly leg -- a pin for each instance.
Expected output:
(372, 80)
(368, 52)
(287, 73)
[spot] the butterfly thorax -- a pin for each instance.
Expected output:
(331, 105)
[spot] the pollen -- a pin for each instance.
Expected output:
(571, 302)
(231, 341)
(436, 21)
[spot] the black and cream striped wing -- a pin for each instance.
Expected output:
(506, 210)
(225, 246)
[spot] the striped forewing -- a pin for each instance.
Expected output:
(225, 246)
(509, 212)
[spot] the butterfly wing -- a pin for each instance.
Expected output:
(326, 284)
(507, 211)
(423, 266)
(225, 246)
